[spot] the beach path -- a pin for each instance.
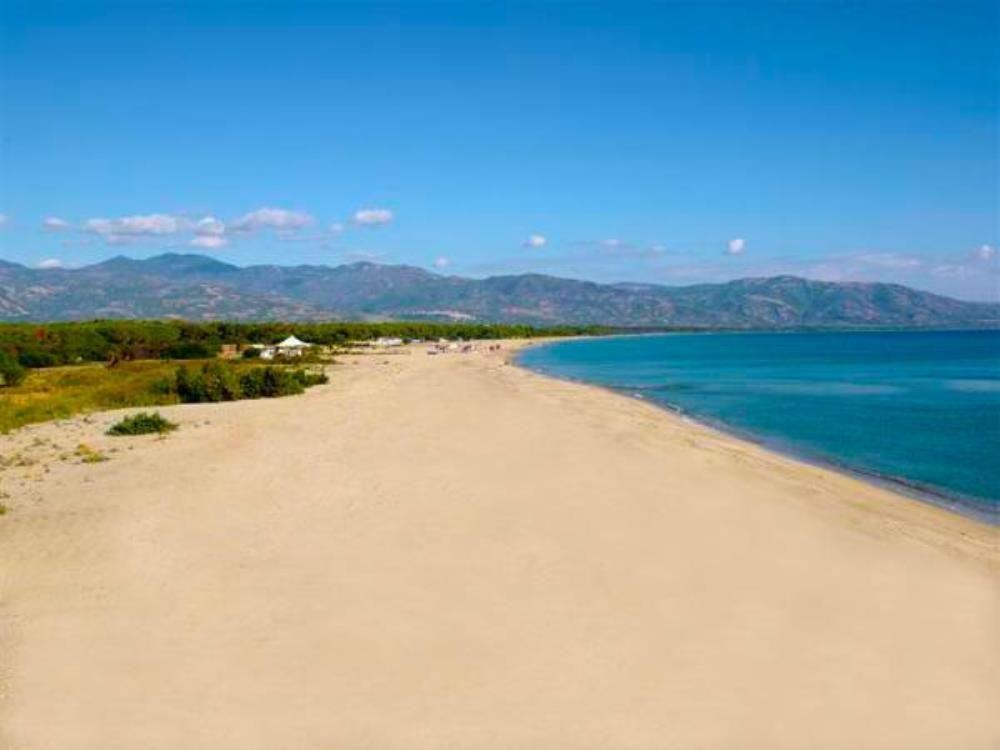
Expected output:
(451, 552)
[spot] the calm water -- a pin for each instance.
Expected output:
(918, 407)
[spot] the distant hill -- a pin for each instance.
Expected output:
(197, 287)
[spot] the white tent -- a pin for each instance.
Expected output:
(290, 347)
(292, 343)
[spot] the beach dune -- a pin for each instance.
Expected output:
(452, 552)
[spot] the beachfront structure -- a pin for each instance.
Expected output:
(385, 341)
(292, 347)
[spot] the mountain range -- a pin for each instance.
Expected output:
(197, 287)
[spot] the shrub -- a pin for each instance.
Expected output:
(188, 386)
(142, 423)
(11, 371)
(162, 387)
(309, 379)
(33, 358)
(215, 382)
(251, 353)
(270, 382)
(252, 383)
(190, 350)
(221, 382)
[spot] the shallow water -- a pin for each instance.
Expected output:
(921, 408)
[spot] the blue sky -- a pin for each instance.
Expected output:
(670, 142)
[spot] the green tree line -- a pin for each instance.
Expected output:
(48, 344)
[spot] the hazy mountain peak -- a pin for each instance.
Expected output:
(199, 287)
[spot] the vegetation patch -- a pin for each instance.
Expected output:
(88, 455)
(216, 381)
(34, 345)
(12, 372)
(56, 370)
(143, 423)
(61, 392)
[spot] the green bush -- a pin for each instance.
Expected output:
(251, 353)
(142, 423)
(163, 386)
(216, 381)
(191, 350)
(271, 382)
(11, 371)
(33, 358)
(309, 379)
(263, 382)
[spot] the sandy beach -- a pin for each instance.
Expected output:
(453, 552)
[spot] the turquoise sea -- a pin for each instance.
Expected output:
(921, 409)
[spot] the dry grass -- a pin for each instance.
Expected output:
(61, 392)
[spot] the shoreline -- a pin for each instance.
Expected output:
(929, 510)
(971, 508)
(458, 551)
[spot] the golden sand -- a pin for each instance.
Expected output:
(451, 552)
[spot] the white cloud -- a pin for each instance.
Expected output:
(209, 226)
(362, 256)
(55, 224)
(209, 241)
(736, 246)
(3, 220)
(890, 260)
(125, 228)
(373, 217)
(293, 236)
(986, 252)
(535, 241)
(272, 218)
(51, 263)
(614, 249)
(336, 228)
(949, 269)
(441, 262)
